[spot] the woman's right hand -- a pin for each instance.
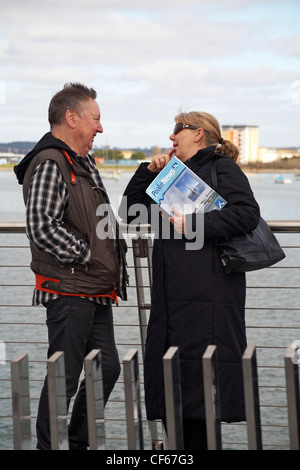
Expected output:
(158, 162)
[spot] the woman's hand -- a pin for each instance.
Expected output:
(158, 162)
(178, 220)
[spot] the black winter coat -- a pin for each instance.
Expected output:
(194, 303)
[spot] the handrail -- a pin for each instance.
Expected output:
(12, 227)
(284, 226)
(279, 313)
(280, 226)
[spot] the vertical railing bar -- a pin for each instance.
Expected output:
(251, 394)
(57, 402)
(21, 403)
(212, 398)
(149, 255)
(292, 390)
(140, 249)
(95, 400)
(173, 401)
(133, 400)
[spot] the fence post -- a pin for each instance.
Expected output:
(57, 402)
(292, 389)
(133, 400)
(251, 394)
(172, 385)
(212, 398)
(95, 399)
(140, 248)
(21, 403)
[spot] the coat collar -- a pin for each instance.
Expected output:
(201, 157)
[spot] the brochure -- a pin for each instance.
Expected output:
(177, 185)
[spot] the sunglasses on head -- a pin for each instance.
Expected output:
(179, 126)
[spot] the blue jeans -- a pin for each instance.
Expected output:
(76, 326)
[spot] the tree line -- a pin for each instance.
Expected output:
(111, 154)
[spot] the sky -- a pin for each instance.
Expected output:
(148, 60)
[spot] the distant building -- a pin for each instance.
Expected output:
(266, 154)
(127, 154)
(8, 157)
(288, 153)
(246, 138)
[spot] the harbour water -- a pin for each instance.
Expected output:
(277, 201)
(269, 327)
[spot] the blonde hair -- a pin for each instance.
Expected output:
(212, 131)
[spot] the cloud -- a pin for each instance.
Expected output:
(146, 59)
(289, 46)
(111, 37)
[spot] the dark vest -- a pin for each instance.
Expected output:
(102, 276)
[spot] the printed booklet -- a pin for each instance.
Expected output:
(177, 185)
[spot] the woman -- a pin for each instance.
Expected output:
(194, 303)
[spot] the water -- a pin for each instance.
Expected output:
(277, 201)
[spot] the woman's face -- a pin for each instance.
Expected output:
(186, 141)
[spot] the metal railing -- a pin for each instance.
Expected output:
(171, 378)
(272, 324)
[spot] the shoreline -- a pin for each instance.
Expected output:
(270, 170)
(125, 168)
(100, 168)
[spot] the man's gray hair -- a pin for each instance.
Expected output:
(70, 97)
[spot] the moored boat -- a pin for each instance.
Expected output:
(281, 180)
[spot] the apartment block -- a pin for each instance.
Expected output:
(246, 138)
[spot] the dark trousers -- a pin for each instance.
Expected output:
(194, 434)
(76, 326)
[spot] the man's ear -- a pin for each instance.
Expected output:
(71, 118)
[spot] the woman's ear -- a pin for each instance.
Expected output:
(199, 135)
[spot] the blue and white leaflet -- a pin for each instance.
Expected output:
(177, 185)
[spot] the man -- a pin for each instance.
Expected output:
(78, 274)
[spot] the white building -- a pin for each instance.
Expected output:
(8, 157)
(266, 155)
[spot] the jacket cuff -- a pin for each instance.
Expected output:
(143, 170)
(85, 257)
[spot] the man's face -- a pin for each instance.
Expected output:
(87, 126)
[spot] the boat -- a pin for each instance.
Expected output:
(114, 175)
(279, 179)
